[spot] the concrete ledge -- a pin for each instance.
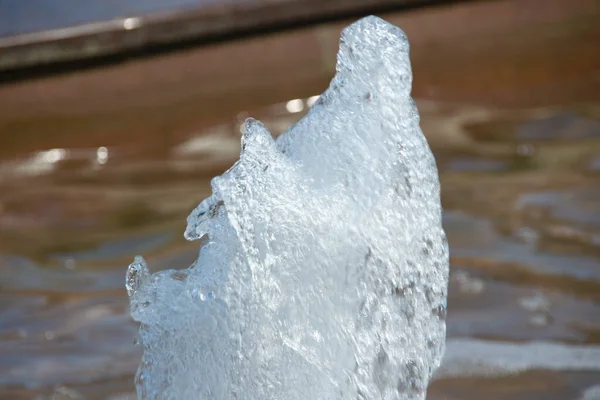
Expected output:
(204, 22)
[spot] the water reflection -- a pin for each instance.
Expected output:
(42, 162)
(523, 231)
(102, 155)
(294, 106)
(132, 23)
(36, 15)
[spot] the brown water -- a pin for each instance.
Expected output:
(100, 166)
(521, 191)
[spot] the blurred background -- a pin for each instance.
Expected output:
(114, 115)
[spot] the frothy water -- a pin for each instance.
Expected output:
(324, 271)
(480, 358)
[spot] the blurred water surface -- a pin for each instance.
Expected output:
(19, 17)
(524, 240)
(520, 187)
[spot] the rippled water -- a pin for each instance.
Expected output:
(521, 192)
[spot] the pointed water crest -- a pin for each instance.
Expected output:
(324, 271)
(255, 138)
(137, 275)
(200, 220)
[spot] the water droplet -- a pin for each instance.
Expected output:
(70, 264)
(200, 220)
(294, 106)
(312, 100)
(255, 137)
(411, 380)
(405, 290)
(137, 275)
(440, 311)
(131, 23)
(539, 320)
(180, 275)
(427, 246)
(102, 155)
(203, 293)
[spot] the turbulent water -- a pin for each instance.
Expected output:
(325, 266)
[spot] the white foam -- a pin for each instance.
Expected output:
(591, 393)
(471, 357)
(326, 267)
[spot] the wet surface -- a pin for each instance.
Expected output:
(36, 15)
(534, 385)
(520, 189)
(524, 246)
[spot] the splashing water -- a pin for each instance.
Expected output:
(325, 269)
